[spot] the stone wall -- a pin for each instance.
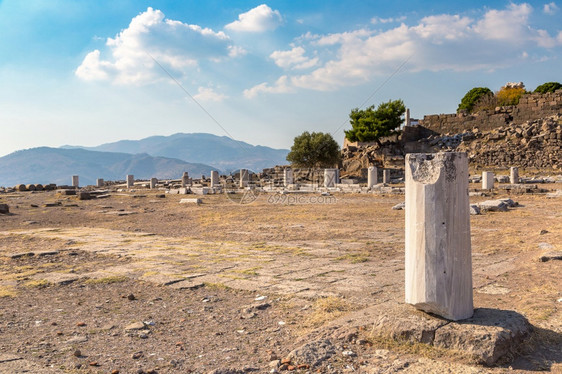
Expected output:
(530, 107)
(531, 144)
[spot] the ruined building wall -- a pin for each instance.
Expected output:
(530, 107)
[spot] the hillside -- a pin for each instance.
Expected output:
(56, 165)
(221, 151)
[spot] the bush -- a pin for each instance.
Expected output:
(509, 96)
(314, 150)
(370, 124)
(472, 97)
(548, 87)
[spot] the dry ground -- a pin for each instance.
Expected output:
(224, 285)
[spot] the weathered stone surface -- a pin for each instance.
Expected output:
(313, 353)
(75, 181)
(474, 209)
(130, 181)
(489, 336)
(438, 265)
(493, 206)
(83, 195)
(399, 206)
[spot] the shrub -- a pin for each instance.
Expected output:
(471, 98)
(509, 96)
(548, 87)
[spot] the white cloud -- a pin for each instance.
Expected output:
(259, 19)
(208, 94)
(294, 59)
(550, 8)
(436, 43)
(280, 86)
(133, 55)
(376, 20)
(236, 51)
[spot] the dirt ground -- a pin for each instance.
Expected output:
(139, 283)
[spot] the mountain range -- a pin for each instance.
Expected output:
(157, 156)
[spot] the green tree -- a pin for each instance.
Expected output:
(370, 125)
(548, 87)
(472, 97)
(314, 150)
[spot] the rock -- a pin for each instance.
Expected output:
(83, 195)
(131, 297)
(77, 353)
(551, 256)
(226, 371)
(488, 336)
(190, 201)
(493, 206)
(135, 326)
(474, 209)
(4, 209)
(313, 353)
(543, 232)
(399, 206)
(137, 355)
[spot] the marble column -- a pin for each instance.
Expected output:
(100, 182)
(386, 176)
(487, 180)
(244, 178)
(514, 175)
(75, 181)
(215, 178)
(153, 182)
(130, 181)
(438, 264)
(372, 177)
(288, 177)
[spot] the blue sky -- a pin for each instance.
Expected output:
(89, 72)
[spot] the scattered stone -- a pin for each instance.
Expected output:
(543, 232)
(191, 201)
(4, 209)
(135, 326)
(77, 340)
(349, 353)
(137, 355)
(551, 256)
(20, 255)
(83, 195)
(77, 353)
(399, 206)
(131, 297)
(493, 206)
(81, 324)
(313, 353)
(474, 210)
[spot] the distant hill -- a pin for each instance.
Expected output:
(56, 165)
(220, 151)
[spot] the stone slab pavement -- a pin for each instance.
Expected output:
(308, 269)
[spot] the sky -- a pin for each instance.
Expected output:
(87, 72)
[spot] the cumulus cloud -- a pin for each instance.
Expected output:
(280, 86)
(208, 94)
(550, 8)
(133, 55)
(294, 59)
(259, 19)
(436, 43)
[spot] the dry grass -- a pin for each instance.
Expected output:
(39, 283)
(107, 280)
(7, 291)
(327, 309)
